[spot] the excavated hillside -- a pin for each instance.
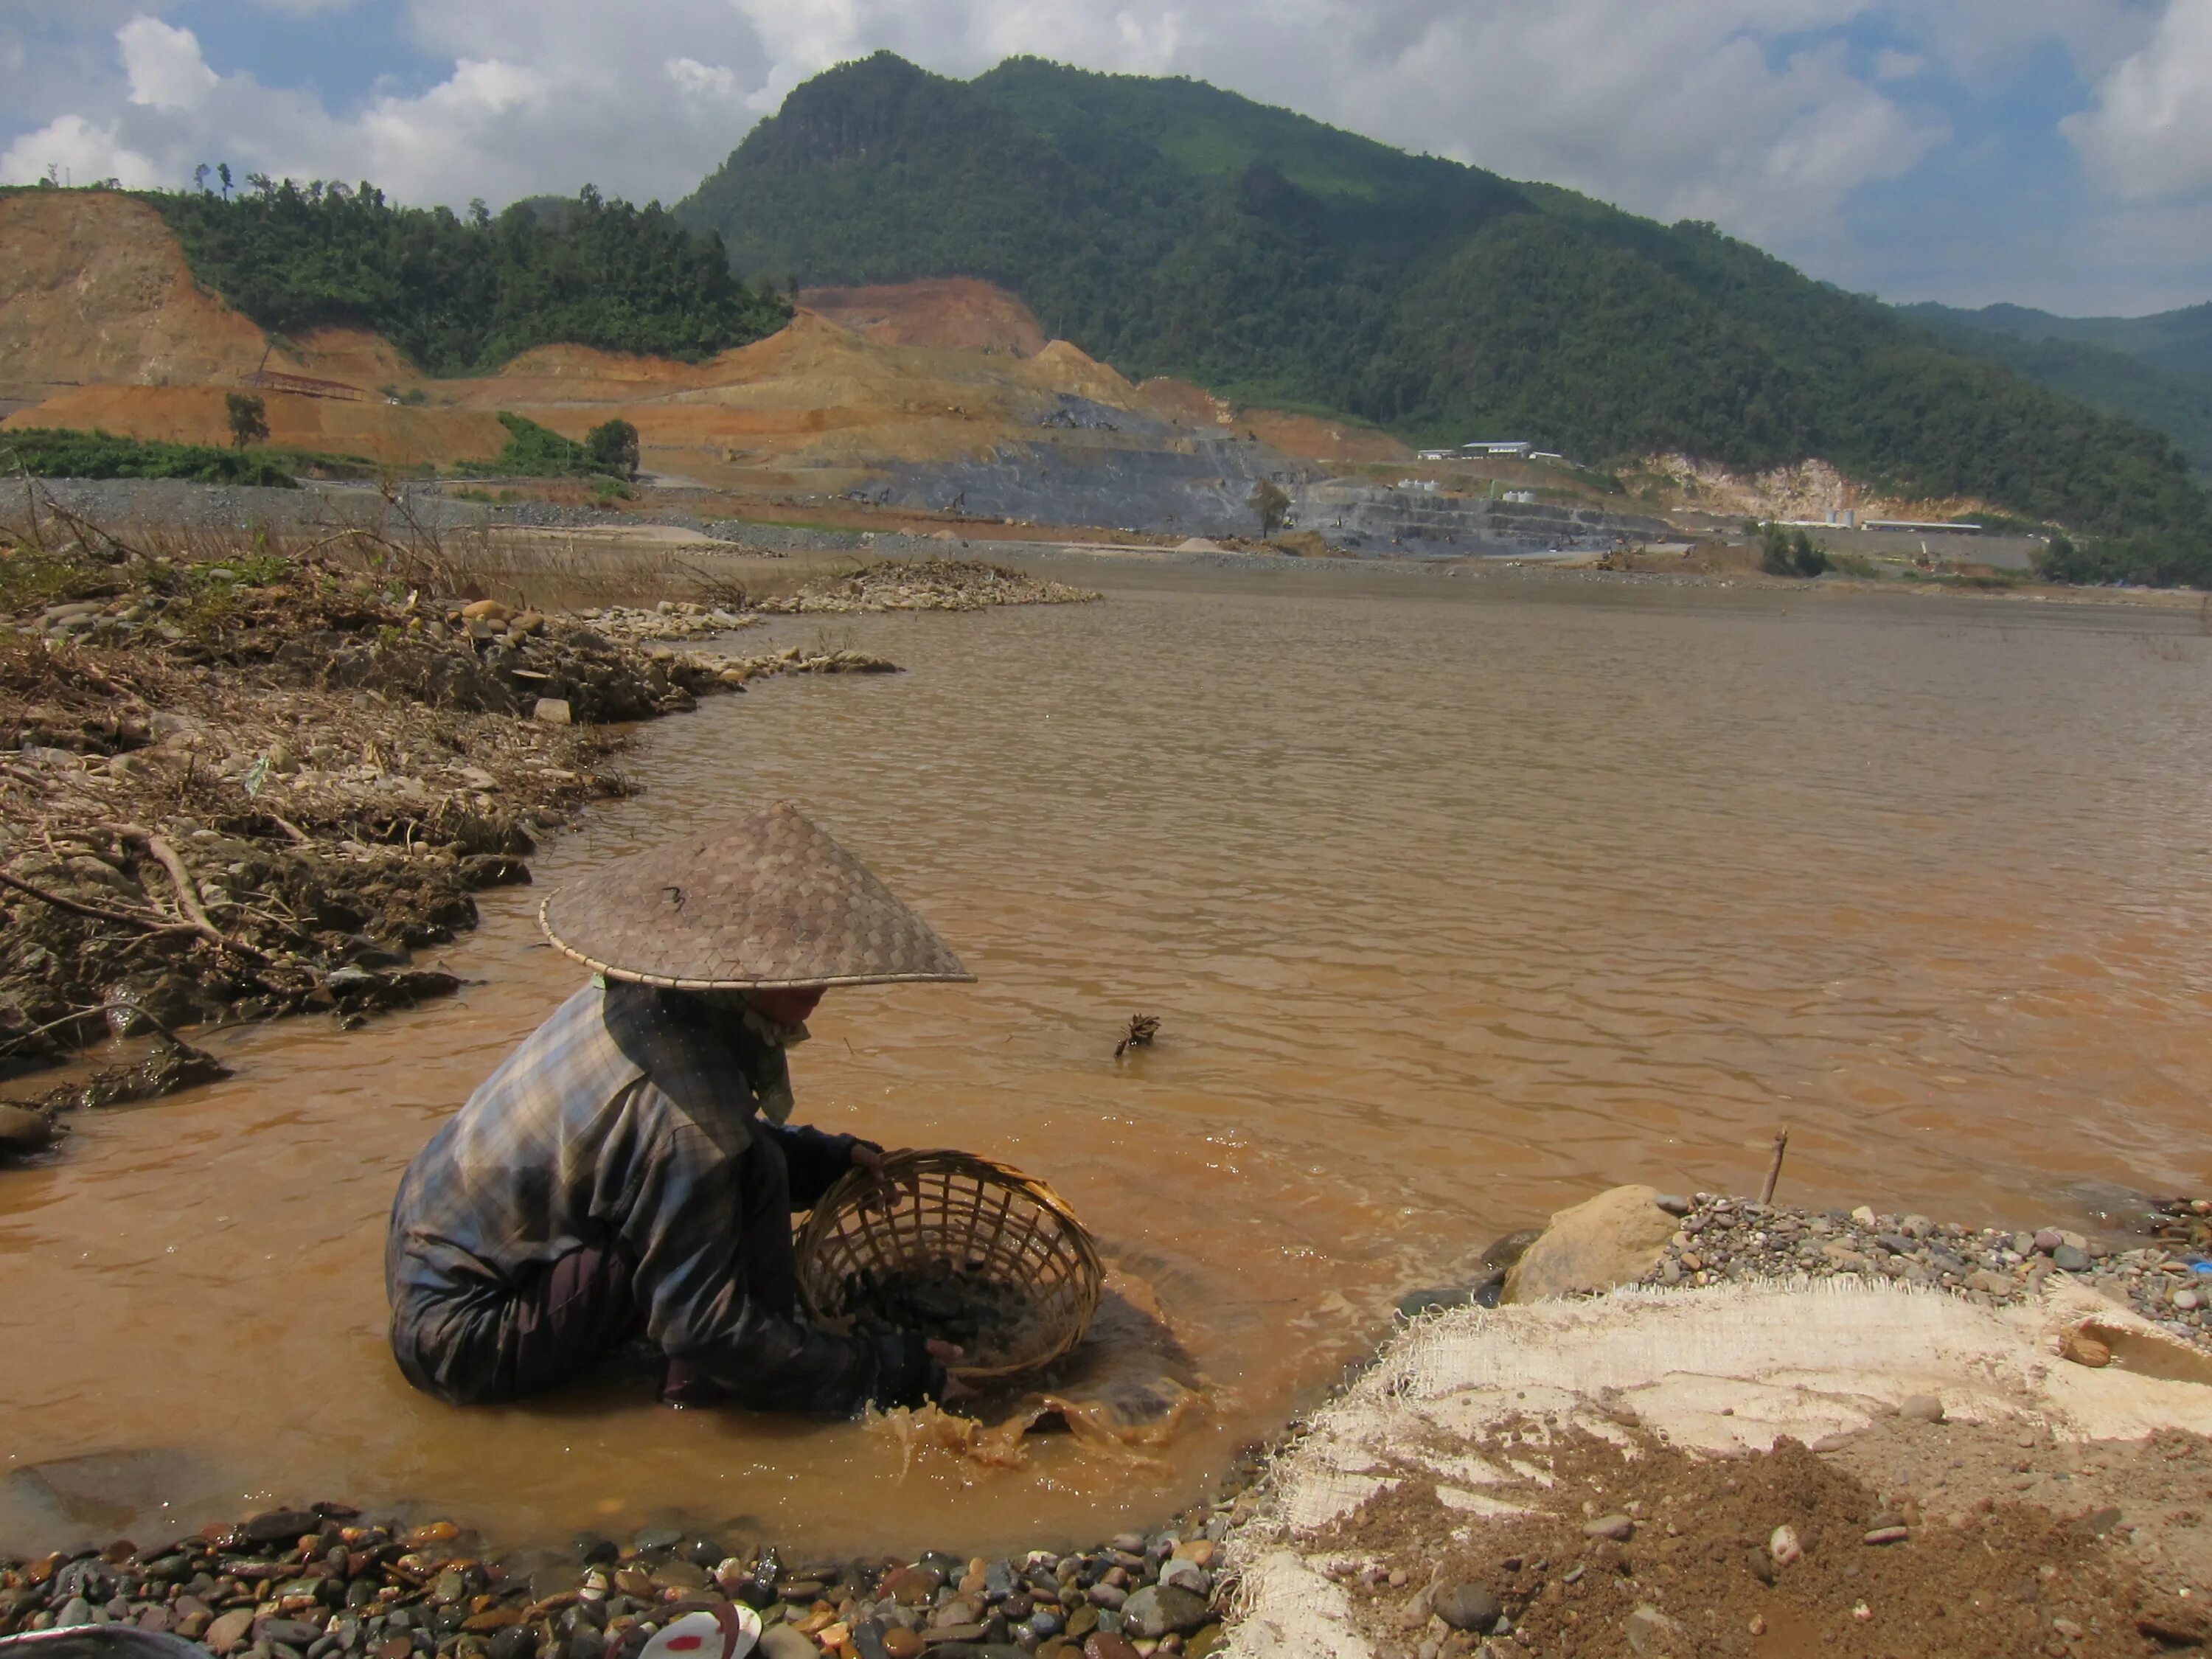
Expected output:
(963, 312)
(925, 394)
(944, 396)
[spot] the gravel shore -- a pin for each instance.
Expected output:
(324, 1582)
(2165, 1273)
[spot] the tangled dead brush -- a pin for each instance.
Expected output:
(244, 776)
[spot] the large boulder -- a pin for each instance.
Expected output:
(1614, 1238)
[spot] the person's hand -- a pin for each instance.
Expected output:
(868, 1157)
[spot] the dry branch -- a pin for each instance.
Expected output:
(152, 924)
(187, 890)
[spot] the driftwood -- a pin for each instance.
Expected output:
(1774, 1169)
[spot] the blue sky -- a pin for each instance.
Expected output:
(343, 56)
(2049, 152)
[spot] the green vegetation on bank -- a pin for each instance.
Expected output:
(55, 452)
(1172, 228)
(607, 451)
(1783, 552)
(464, 295)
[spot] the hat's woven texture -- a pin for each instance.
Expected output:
(769, 899)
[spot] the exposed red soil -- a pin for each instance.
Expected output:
(1689, 1564)
(960, 313)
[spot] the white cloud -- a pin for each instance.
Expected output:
(2149, 132)
(1898, 65)
(164, 65)
(78, 152)
(697, 79)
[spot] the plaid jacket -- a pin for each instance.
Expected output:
(620, 1123)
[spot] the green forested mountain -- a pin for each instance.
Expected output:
(2173, 342)
(464, 295)
(2136, 366)
(1170, 228)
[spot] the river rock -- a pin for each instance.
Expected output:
(784, 1641)
(680, 1575)
(1649, 1632)
(1108, 1644)
(2069, 1258)
(280, 1526)
(1468, 1606)
(901, 1643)
(1187, 1575)
(1157, 1609)
(552, 711)
(1920, 1408)
(1614, 1238)
(24, 1131)
(228, 1633)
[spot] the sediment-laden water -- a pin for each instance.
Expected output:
(1455, 901)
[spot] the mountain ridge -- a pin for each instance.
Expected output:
(2177, 341)
(1173, 228)
(2155, 370)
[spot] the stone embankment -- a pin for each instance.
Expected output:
(326, 1583)
(1376, 518)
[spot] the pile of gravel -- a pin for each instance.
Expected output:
(2167, 1277)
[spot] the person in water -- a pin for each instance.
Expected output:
(630, 1170)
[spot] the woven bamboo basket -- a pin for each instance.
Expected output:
(948, 1207)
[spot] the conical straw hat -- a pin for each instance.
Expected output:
(765, 900)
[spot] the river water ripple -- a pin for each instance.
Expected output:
(1456, 901)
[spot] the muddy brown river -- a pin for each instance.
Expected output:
(1456, 900)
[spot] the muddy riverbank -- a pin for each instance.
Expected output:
(247, 780)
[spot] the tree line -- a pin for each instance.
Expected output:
(463, 293)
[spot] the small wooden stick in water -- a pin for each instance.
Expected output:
(1774, 1169)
